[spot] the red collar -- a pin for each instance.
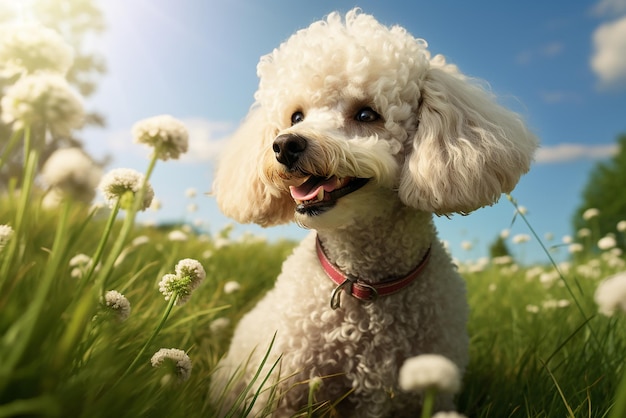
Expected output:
(361, 289)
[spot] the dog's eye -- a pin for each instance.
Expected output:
(297, 117)
(366, 115)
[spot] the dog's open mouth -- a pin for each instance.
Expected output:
(318, 194)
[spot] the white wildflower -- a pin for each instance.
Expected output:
(522, 210)
(450, 414)
(504, 234)
(621, 226)
(43, 99)
(177, 235)
(140, 240)
(80, 264)
(575, 248)
(30, 47)
(584, 232)
(554, 303)
(167, 135)
(611, 294)
(607, 242)
(520, 238)
(219, 324)
(566, 239)
(501, 260)
(549, 236)
(429, 371)
(590, 213)
(231, 287)
(72, 172)
(533, 272)
(122, 183)
(466, 245)
(178, 358)
(532, 308)
(191, 192)
(189, 275)
(6, 232)
(115, 301)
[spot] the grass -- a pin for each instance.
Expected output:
(538, 348)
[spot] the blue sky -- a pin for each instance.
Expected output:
(561, 64)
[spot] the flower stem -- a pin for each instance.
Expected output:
(156, 331)
(28, 178)
(7, 150)
(127, 226)
(429, 402)
(100, 249)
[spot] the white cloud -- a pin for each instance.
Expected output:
(609, 7)
(206, 139)
(562, 153)
(609, 59)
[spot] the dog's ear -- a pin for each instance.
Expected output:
(239, 187)
(468, 149)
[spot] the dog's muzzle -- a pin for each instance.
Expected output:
(288, 149)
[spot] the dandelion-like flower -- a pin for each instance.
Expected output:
(6, 232)
(621, 226)
(72, 172)
(30, 47)
(607, 242)
(167, 135)
(177, 358)
(177, 235)
(575, 247)
(118, 304)
(584, 232)
(611, 294)
(590, 213)
(43, 98)
(121, 183)
(219, 324)
(189, 275)
(449, 414)
(520, 238)
(80, 264)
(429, 371)
(231, 287)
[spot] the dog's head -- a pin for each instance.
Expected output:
(349, 113)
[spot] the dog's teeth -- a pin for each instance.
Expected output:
(298, 202)
(320, 194)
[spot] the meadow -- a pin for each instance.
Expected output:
(101, 316)
(538, 346)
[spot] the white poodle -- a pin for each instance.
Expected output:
(359, 135)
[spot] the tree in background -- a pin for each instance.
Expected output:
(603, 204)
(76, 21)
(499, 248)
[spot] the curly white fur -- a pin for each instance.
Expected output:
(441, 145)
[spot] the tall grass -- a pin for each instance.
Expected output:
(538, 348)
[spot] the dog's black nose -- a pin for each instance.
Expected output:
(288, 149)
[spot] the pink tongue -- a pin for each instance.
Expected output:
(309, 189)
